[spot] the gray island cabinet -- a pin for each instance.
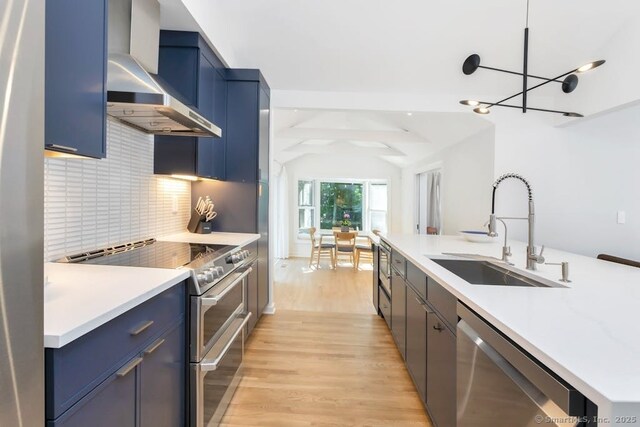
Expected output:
(423, 318)
(454, 355)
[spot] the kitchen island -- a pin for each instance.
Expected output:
(587, 332)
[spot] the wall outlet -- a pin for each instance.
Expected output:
(174, 204)
(622, 217)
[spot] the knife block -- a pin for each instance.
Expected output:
(195, 221)
(204, 228)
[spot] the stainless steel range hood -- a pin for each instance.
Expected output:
(134, 96)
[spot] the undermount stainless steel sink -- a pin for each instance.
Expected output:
(493, 273)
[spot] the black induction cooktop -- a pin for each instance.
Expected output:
(153, 254)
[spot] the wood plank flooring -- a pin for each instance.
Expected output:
(322, 362)
(342, 290)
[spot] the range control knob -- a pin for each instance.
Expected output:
(247, 254)
(201, 278)
(209, 276)
(235, 258)
(218, 271)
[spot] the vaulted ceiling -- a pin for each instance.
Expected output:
(400, 138)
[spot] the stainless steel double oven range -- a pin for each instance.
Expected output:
(216, 313)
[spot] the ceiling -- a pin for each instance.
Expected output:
(397, 47)
(408, 46)
(400, 138)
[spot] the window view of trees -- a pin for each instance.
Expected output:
(336, 199)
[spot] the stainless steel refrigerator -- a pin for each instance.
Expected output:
(21, 212)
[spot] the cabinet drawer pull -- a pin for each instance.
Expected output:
(143, 327)
(129, 367)
(153, 347)
(424, 306)
(62, 147)
(438, 327)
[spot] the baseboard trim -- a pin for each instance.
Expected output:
(269, 309)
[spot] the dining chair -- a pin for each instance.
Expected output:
(363, 247)
(346, 245)
(320, 248)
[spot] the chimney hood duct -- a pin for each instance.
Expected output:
(134, 96)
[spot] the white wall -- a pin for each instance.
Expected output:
(467, 175)
(323, 166)
(581, 175)
(613, 84)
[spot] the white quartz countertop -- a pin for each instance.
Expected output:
(79, 298)
(215, 238)
(587, 333)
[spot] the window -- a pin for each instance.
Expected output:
(378, 206)
(323, 204)
(306, 205)
(338, 199)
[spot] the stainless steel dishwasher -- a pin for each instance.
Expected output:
(500, 385)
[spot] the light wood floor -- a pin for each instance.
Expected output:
(342, 290)
(324, 359)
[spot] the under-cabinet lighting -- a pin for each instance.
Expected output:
(185, 177)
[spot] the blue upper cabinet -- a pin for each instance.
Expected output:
(195, 73)
(75, 77)
(247, 126)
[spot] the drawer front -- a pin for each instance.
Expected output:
(112, 403)
(75, 369)
(443, 301)
(418, 280)
(385, 307)
(398, 262)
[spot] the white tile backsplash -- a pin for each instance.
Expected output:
(90, 204)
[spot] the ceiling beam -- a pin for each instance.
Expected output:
(384, 136)
(342, 149)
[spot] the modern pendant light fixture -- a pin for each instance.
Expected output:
(568, 83)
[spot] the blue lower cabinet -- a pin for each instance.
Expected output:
(112, 403)
(130, 371)
(162, 379)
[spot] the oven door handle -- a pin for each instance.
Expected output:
(212, 364)
(209, 301)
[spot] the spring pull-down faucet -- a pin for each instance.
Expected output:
(532, 257)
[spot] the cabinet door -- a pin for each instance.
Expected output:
(417, 341)
(178, 66)
(263, 246)
(398, 310)
(75, 77)
(263, 153)
(206, 76)
(252, 297)
(242, 131)
(162, 383)
(376, 278)
(441, 372)
(112, 403)
(219, 145)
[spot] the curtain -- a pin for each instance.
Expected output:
(282, 215)
(433, 204)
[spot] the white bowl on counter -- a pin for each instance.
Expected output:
(477, 236)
